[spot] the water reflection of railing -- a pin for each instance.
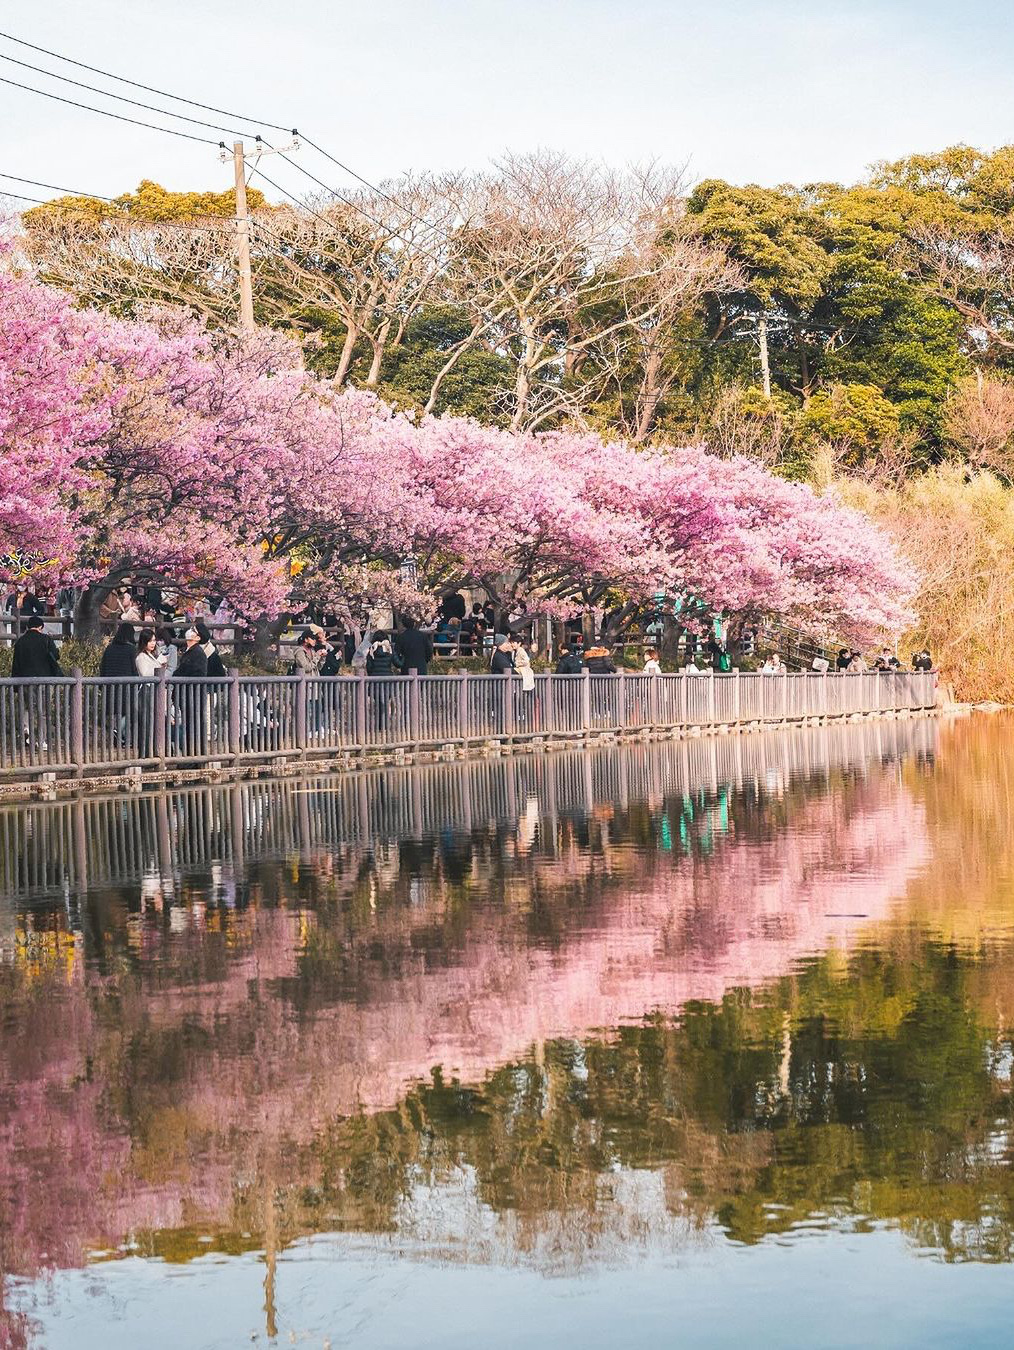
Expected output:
(57, 849)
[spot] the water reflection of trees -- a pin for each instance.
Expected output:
(194, 1049)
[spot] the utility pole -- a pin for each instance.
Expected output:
(246, 314)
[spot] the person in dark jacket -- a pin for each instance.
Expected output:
(333, 651)
(193, 663)
(24, 604)
(570, 662)
(599, 662)
(473, 632)
(216, 667)
(452, 606)
(120, 656)
(190, 716)
(381, 659)
(502, 660)
(414, 647)
(35, 656)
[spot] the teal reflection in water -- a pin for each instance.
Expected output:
(472, 1054)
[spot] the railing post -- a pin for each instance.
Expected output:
(301, 710)
(508, 704)
(711, 699)
(235, 736)
(463, 707)
(621, 695)
(160, 715)
(77, 719)
(549, 703)
(653, 690)
(414, 712)
(736, 696)
(586, 700)
(361, 711)
(785, 696)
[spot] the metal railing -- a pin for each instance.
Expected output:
(83, 724)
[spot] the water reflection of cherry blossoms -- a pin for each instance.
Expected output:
(259, 1006)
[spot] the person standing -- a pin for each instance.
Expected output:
(22, 605)
(35, 656)
(190, 714)
(119, 662)
(599, 662)
(119, 659)
(529, 706)
(452, 606)
(381, 663)
(216, 666)
(167, 647)
(114, 607)
(150, 663)
(502, 660)
(308, 656)
(414, 647)
(570, 662)
(331, 653)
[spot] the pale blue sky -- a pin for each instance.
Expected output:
(751, 90)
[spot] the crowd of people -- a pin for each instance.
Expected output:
(152, 631)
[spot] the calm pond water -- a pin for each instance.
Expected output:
(696, 1044)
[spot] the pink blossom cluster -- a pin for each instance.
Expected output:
(160, 449)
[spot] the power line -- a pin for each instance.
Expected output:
(122, 98)
(192, 226)
(316, 214)
(168, 131)
(149, 89)
(68, 192)
(165, 112)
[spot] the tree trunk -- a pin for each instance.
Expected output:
(379, 346)
(348, 346)
(86, 613)
(762, 338)
(670, 646)
(523, 387)
(805, 374)
(266, 634)
(650, 394)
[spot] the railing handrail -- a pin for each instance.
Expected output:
(77, 723)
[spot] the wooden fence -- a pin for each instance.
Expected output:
(80, 724)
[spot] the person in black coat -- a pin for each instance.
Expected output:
(193, 663)
(216, 666)
(190, 718)
(35, 656)
(599, 662)
(120, 655)
(381, 659)
(452, 606)
(570, 662)
(502, 659)
(415, 648)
